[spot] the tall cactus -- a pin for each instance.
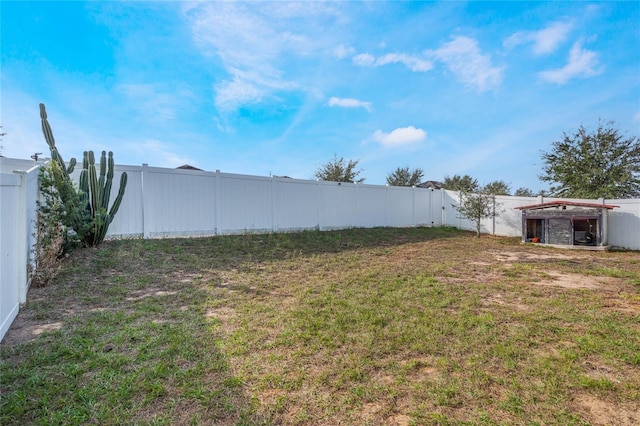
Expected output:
(94, 189)
(96, 193)
(48, 137)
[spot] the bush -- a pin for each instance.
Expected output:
(55, 235)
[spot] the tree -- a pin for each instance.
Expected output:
(600, 164)
(339, 170)
(461, 183)
(524, 192)
(477, 206)
(402, 176)
(497, 187)
(478, 203)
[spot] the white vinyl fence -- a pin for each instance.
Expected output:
(161, 202)
(18, 195)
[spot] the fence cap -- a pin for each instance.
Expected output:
(559, 203)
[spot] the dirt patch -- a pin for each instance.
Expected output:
(567, 280)
(150, 292)
(370, 410)
(222, 313)
(599, 412)
(398, 420)
(24, 329)
(498, 299)
(511, 257)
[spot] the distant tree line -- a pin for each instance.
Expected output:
(584, 164)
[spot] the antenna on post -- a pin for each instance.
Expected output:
(1, 135)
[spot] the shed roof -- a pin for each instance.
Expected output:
(559, 203)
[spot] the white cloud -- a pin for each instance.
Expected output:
(343, 51)
(364, 60)
(636, 117)
(413, 63)
(349, 103)
(544, 41)
(400, 137)
(582, 63)
(252, 41)
(156, 103)
(231, 94)
(465, 60)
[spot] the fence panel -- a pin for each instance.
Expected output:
(508, 222)
(178, 202)
(422, 214)
(18, 210)
(245, 204)
(624, 224)
(10, 187)
(129, 221)
(337, 205)
(400, 206)
(295, 204)
(371, 206)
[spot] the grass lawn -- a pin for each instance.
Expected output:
(359, 327)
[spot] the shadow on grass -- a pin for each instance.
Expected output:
(122, 352)
(231, 251)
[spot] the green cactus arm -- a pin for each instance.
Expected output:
(104, 228)
(106, 192)
(46, 128)
(118, 200)
(83, 183)
(101, 181)
(48, 137)
(111, 166)
(72, 165)
(93, 185)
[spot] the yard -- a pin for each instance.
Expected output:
(357, 327)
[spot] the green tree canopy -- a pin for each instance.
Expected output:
(597, 164)
(461, 183)
(524, 192)
(402, 176)
(339, 170)
(497, 187)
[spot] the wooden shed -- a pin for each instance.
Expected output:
(566, 223)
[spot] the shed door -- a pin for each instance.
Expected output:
(559, 231)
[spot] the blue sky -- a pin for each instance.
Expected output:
(476, 88)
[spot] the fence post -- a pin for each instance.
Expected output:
(355, 205)
(273, 205)
(319, 205)
(21, 235)
(493, 216)
(216, 212)
(443, 217)
(413, 206)
(386, 202)
(146, 209)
